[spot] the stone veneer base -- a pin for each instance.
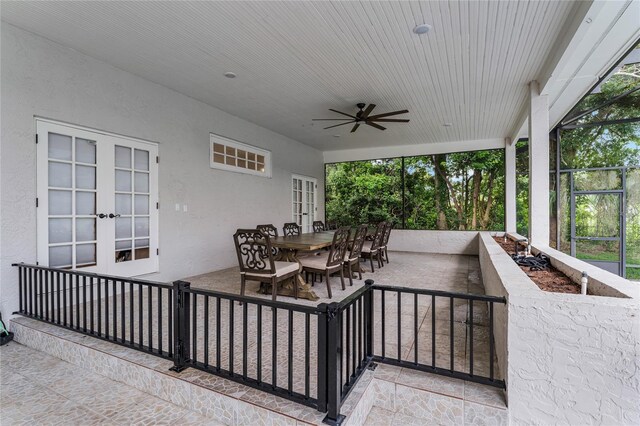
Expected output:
(212, 396)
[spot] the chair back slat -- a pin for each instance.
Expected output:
(338, 246)
(268, 229)
(387, 233)
(377, 238)
(358, 242)
(290, 229)
(318, 226)
(253, 248)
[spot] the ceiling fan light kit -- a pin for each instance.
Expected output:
(363, 116)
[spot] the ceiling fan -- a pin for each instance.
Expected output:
(364, 117)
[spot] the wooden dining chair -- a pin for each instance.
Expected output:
(331, 262)
(272, 232)
(268, 229)
(290, 229)
(385, 241)
(318, 226)
(371, 249)
(352, 257)
(255, 259)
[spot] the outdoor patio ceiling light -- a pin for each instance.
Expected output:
(230, 74)
(422, 29)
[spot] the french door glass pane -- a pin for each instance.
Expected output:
(60, 231)
(85, 177)
(123, 180)
(59, 175)
(123, 204)
(60, 256)
(142, 182)
(141, 161)
(59, 202)
(142, 226)
(86, 254)
(123, 227)
(60, 147)
(85, 151)
(123, 157)
(85, 229)
(85, 203)
(123, 245)
(142, 204)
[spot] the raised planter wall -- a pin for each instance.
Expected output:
(447, 242)
(566, 358)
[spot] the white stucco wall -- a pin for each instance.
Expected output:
(449, 242)
(567, 359)
(41, 78)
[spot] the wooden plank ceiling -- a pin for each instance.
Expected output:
(294, 60)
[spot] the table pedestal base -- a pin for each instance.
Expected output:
(287, 287)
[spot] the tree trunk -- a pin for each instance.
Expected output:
(441, 220)
(487, 209)
(456, 202)
(477, 179)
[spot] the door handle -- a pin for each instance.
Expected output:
(304, 214)
(111, 215)
(101, 215)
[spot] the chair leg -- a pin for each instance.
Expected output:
(242, 284)
(380, 264)
(349, 266)
(386, 253)
(326, 274)
(371, 260)
(274, 288)
(342, 278)
(359, 270)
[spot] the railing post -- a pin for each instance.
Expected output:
(368, 318)
(334, 353)
(322, 356)
(181, 308)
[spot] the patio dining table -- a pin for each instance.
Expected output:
(289, 248)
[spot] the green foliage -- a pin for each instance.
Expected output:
(438, 191)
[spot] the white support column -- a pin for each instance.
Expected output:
(510, 184)
(538, 166)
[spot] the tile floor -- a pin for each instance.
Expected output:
(37, 388)
(409, 397)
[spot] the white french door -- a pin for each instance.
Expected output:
(97, 201)
(303, 201)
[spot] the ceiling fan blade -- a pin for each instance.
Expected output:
(341, 124)
(355, 127)
(387, 114)
(343, 113)
(390, 120)
(331, 119)
(377, 126)
(367, 111)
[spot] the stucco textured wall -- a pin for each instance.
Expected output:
(569, 359)
(449, 242)
(41, 78)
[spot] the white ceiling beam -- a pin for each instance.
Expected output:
(411, 150)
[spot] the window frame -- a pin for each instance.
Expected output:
(227, 142)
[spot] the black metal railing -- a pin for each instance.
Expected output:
(323, 349)
(130, 312)
(243, 338)
(448, 333)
